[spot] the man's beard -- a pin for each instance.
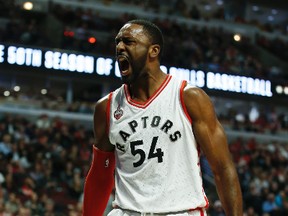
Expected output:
(136, 71)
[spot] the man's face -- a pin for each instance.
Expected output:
(132, 46)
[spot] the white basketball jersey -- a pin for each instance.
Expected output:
(157, 157)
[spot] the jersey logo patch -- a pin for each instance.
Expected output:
(118, 113)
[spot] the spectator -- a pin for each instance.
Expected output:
(217, 209)
(269, 205)
(6, 145)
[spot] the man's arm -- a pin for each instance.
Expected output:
(212, 139)
(100, 178)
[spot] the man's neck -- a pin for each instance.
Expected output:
(145, 87)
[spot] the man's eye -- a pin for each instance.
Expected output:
(127, 41)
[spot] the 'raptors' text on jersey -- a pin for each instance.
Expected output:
(157, 157)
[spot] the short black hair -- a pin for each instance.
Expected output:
(153, 32)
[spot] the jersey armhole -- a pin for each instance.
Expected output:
(183, 85)
(108, 111)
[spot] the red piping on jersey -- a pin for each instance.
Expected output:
(149, 101)
(206, 199)
(183, 85)
(201, 212)
(108, 109)
(198, 209)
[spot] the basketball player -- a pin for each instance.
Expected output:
(149, 134)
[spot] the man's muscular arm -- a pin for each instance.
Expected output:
(100, 178)
(212, 139)
(100, 126)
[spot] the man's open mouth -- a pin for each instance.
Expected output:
(123, 64)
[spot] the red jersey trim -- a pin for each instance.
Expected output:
(149, 101)
(183, 85)
(201, 210)
(206, 199)
(108, 110)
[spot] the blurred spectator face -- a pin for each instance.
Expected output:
(250, 211)
(12, 197)
(7, 138)
(285, 204)
(218, 206)
(24, 212)
(49, 205)
(271, 197)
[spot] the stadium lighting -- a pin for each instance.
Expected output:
(16, 88)
(237, 37)
(279, 89)
(44, 91)
(286, 90)
(6, 93)
(92, 40)
(28, 5)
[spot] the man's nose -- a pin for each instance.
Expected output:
(120, 46)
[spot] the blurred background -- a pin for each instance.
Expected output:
(57, 59)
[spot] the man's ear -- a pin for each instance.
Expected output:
(154, 51)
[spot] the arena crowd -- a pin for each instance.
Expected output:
(44, 161)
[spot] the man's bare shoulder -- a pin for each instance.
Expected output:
(197, 101)
(101, 104)
(195, 94)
